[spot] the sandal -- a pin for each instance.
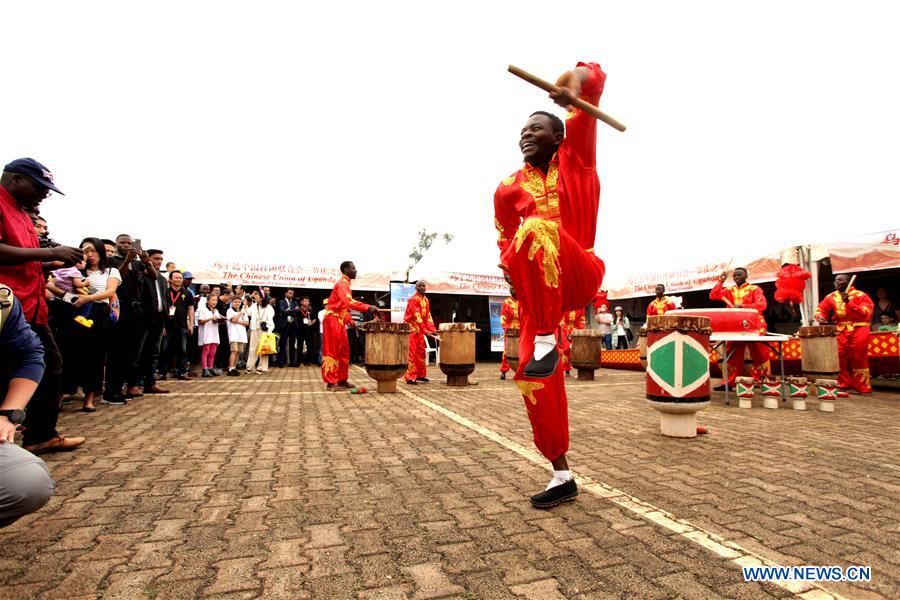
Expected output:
(88, 409)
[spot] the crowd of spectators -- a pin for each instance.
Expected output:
(112, 320)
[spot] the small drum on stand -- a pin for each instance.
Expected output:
(678, 371)
(458, 352)
(587, 345)
(819, 352)
(387, 353)
(511, 348)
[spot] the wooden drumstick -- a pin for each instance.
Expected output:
(576, 102)
(852, 279)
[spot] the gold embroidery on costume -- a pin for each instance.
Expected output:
(500, 236)
(509, 180)
(864, 373)
(546, 196)
(329, 364)
(546, 238)
(528, 388)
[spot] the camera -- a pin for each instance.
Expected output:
(44, 241)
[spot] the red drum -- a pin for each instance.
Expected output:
(678, 358)
(728, 320)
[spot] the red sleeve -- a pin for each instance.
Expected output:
(651, 310)
(719, 292)
(506, 217)
(581, 128)
(825, 309)
(505, 315)
(410, 315)
(341, 298)
(429, 322)
(860, 307)
(671, 306)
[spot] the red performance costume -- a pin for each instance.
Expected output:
(418, 315)
(509, 319)
(743, 296)
(572, 320)
(659, 306)
(547, 223)
(335, 346)
(851, 319)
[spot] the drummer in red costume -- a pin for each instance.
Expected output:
(418, 315)
(850, 310)
(742, 295)
(546, 217)
(509, 319)
(572, 320)
(661, 304)
(335, 346)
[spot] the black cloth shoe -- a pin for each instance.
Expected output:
(719, 388)
(411, 382)
(423, 379)
(117, 400)
(555, 495)
(544, 367)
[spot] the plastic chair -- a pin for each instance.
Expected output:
(436, 349)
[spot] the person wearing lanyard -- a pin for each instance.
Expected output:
(180, 324)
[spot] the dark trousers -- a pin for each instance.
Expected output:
(177, 344)
(309, 354)
(42, 411)
(123, 360)
(84, 351)
(150, 352)
(287, 347)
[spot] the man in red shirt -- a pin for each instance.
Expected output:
(335, 345)
(742, 295)
(509, 319)
(572, 320)
(546, 218)
(24, 184)
(850, 310)
(418, 315)
(661, 304)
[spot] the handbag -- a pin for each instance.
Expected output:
(267, 344)
(629, 335)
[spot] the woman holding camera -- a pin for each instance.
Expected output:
(262, 320)
(621, 329)
(88, 344)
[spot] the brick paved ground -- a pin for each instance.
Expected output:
(269, 487)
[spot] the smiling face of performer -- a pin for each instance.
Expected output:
(420, 288)
(739, 276)
(540, 139)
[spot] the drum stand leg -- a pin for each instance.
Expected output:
(386, 387)
(585, 375)
(458, 380)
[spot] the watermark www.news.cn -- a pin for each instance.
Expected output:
(807, 573)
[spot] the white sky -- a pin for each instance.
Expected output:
(301, 133)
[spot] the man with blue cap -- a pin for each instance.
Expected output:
(24, 184)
